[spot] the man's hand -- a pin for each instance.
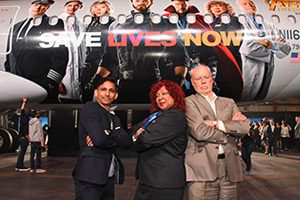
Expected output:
(138, 133)
(266, 43)
(89, 141)
(211, 123)
(62, 88)
(239, 117)
(24, 99)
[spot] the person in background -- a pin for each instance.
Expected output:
(23, 137)
(247, 148)
(212, 161)
(297, 133)
(94, 62)
(69, 87)
(36, 138)
(277, 133)
(273, 137)
(265, 134)
(257, 141)
(100, 133)
(160, 141)
(285, 135)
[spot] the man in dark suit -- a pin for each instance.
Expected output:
(98, 166)
(44, 66)
(212, 161)
(272, 139)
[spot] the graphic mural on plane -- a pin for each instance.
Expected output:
(252, 47)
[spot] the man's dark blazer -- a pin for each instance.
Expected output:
(161, 151)
(106, 133)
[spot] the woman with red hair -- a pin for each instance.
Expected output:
(160, 141)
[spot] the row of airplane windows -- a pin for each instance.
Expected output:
(173, 18)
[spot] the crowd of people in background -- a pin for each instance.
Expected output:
(271, 136)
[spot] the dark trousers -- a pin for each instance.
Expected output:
(23, 143)
(297, 142)
(246, 155)
(145, 192)
(36, 149)
(92, 191)
(273, 147)
(285, 143)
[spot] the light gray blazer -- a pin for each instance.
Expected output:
(203, 141)
(255, 55)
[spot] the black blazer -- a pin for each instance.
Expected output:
(161, 150)
(94, 162)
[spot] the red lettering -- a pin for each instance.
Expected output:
(150, 36)
(113, 43)
(135, 41)
(171, 41)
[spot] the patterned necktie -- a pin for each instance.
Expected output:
(76, 27)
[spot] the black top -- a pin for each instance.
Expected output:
(161, 150)
(23, 127)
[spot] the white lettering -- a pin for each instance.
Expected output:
(49, 40)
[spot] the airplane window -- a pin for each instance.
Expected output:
(155, 18)
(242, 18)
(275, 19)
(104, 19)
(173, 18)
(259, 18)
(292, 19)
(138, 18)
(37, 21)
(191, 18)
(225, 18)
(121, 18)
(87, 19)
(208, 18)
(70, 19)
(53, 20)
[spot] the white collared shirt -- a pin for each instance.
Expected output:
(221, 126)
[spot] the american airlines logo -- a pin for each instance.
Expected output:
(284, 5)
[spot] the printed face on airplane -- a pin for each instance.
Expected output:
(247, 6)
(218, 9)
(72, 7)
(38, 9)
(100, 9)
(141, 5)
(181, 6)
